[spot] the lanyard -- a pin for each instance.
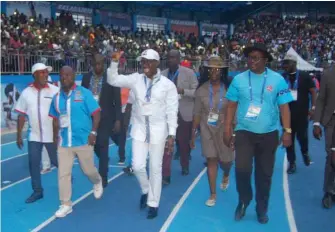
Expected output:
(153, 82)
(62, 110)
(296, 82)
(99, 85)
(264, 82)
(173, 77)
(211, 93)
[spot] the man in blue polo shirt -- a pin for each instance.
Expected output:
(72, 110)
(257, 96)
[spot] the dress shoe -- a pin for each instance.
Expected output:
(143, 201)
(327, 201)
(240, 211)
(153, 212)
(185, 172)
(34, 197)
(166, 180)
(262, 218)
(307, 159)
(292, 168)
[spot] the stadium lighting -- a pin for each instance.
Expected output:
(249, 3)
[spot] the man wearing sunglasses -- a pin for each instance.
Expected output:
(154, 122)
(254, 96)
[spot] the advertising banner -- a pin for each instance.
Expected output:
(151, 20)
(186, 27)
(75, 9)
(119, 21)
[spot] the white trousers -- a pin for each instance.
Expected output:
(45, 159)
(152, 185)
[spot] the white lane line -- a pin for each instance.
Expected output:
(288, 204)
(14, 157)
(4, 144)
(48, 221)
(22, 180)
(181, 201)
(27, 178)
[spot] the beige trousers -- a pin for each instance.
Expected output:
(66, 156)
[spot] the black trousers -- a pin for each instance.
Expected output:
(299, 125)
(105, 131)
(329, 175)
(261, 148)
(120, 138)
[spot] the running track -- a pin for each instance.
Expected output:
(294, 206)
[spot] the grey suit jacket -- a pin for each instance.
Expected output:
(325, 104)
(188, 81)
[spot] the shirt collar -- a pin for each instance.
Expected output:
(37, 87)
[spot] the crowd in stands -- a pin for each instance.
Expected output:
(64, 41)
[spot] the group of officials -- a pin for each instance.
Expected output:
(166, 108)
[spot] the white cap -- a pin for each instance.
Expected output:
(40, 66)
(291, 57)
(150, 54)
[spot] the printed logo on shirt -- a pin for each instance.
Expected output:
(269, 88)
(78, 96)
(285, 91)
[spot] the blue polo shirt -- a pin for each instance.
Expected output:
(80, 106)
(276, 93)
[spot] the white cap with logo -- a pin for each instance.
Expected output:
(291, 57)
(150, 54)
(39, 67)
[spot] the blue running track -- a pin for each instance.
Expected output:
(295, 203)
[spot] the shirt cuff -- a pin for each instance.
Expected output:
(172, 131)
(316, 124)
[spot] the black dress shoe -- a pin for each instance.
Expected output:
(292, 168)
(143, 201)
(262, 218)
(185, 172)
(327, 201)
(34, 197)
(240, 211)
(307, 159)
(166, 180)
(153, 212)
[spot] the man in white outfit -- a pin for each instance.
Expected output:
(154, 122)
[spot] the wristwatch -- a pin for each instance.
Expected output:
(94, 133)
(171, 137)
(288, 130)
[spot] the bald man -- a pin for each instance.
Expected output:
(109, 99)
(76, 115)
(186, 83)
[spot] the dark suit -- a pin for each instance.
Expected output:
(110, 104)
(325, 114)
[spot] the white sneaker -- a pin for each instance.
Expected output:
(63, 211)
(98, 190)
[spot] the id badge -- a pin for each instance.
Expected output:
(212, 119)
(147, 109)
(294, 94)
(253, 113)
(64, 121)
(96, 97)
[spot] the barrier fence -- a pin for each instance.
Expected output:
(17, 62)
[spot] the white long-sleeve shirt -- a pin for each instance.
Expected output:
(164, 104)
